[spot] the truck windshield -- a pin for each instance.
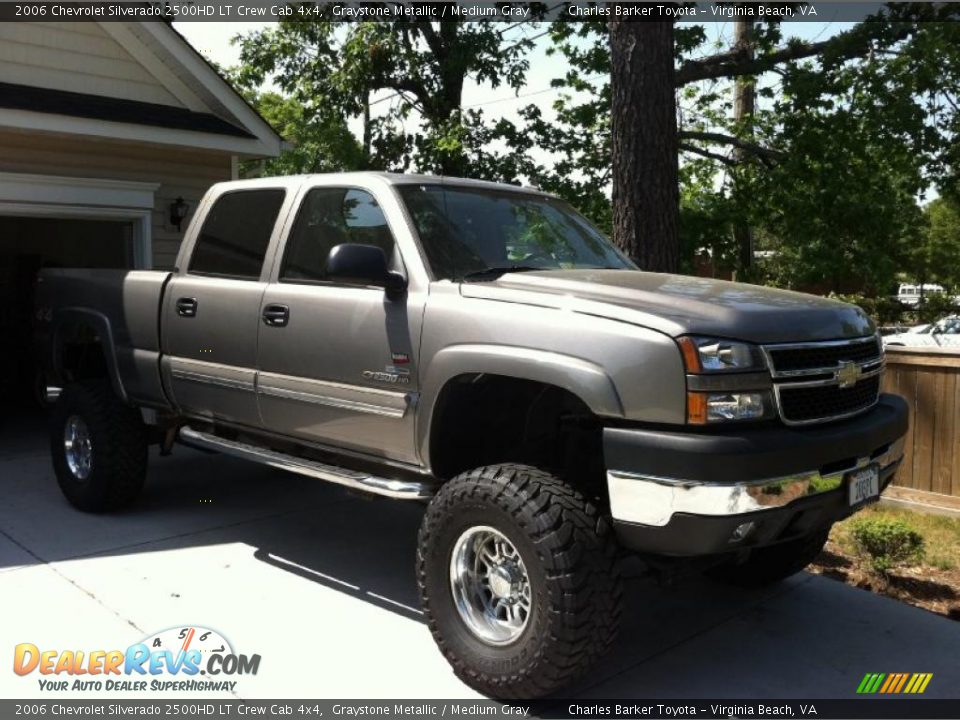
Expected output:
(473, 234)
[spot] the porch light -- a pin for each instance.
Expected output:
(178, 212)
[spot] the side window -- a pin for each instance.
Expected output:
(235, 234)
(329, 217)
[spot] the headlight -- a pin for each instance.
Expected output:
(703, 408)
(712, 355)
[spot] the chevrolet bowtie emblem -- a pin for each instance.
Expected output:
(848, 374)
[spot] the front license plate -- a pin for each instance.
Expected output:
(864, 485)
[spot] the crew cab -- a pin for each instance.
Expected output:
(483, 349)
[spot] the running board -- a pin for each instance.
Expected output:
(397, 489)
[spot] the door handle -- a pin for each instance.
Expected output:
(187, 307)
(276, 315)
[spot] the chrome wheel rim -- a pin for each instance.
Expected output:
(490, 585)
(78, 448)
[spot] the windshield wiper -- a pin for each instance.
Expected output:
(492, 273)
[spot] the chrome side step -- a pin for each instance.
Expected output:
(397, 489)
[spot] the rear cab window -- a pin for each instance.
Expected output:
(235, 234)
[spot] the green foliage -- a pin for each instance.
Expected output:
(331, 69)
(844, 143)
(935, 306)
(885, 310)
(706, 217)
(888, 310)
(319, 143)
(887, 543)
(935, 257)
(867, 304)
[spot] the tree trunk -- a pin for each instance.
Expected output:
(744, 100)
(646, 200)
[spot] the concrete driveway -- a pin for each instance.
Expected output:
(320, 584)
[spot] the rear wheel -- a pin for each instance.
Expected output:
(99, 447)
(519, 580)
(769, 565)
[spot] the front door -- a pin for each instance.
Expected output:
(211, 314)
(338, 361)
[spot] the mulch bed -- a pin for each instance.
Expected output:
(926, 587)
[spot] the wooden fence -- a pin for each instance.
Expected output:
(929, 380)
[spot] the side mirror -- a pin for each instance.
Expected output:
(364, 265)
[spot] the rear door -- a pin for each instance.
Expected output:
(211, 315)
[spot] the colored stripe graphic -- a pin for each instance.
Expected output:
(870, 683)
(894, 683)
(918, 683)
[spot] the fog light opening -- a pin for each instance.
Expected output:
(742, 531)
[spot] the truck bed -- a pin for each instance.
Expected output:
(121, 308)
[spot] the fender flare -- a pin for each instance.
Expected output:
(582, 378)
(68, 319)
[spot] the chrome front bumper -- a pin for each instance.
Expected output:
(653, 501)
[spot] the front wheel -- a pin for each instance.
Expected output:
(519, 580)
(99, 447)
(769, 565)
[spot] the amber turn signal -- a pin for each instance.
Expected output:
(696, 408)
(691, 354)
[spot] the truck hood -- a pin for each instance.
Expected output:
(680, 305)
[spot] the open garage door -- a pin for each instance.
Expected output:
(28, 244)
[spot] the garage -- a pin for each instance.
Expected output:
(105, 130)
(28, 244)
(66, 242)
(52, 221)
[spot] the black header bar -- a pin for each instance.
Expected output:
(448, 11)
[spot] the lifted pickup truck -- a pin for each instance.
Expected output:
(484, 348)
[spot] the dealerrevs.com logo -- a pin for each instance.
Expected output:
(177, 659)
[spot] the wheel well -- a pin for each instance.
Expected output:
(81, 354)
(482, 419)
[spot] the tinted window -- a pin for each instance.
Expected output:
(235, 234)
(329, 217)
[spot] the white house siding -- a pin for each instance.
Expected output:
(180, 172)
(77, 57)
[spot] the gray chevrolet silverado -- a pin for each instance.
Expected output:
(481, 348)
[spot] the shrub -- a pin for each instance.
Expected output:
(887, 543)
(935, 306)
(889, 310)
(885, 310)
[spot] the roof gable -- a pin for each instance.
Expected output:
(141, 81)
(80, 57)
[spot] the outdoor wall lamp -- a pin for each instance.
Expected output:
(178, 212)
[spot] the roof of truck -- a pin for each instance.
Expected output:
(389, 178)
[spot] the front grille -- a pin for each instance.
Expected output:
(828, 355)
(824, 402)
